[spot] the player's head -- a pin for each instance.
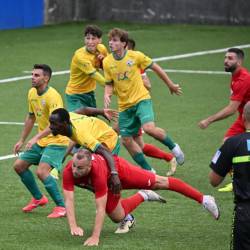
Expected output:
(60, 122)
(131, 44)
(118, 39)
(233, 59)
(246, 115)
(81, 165)
(92, 37)
(41, 75)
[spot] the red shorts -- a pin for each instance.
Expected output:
(131, 177)
(236, 128)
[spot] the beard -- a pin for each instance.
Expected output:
(231, 68)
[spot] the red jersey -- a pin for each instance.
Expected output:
(240, 88)
(131, 177)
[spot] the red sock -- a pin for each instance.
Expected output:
(180, 186)
(153, 151)
(130, 203)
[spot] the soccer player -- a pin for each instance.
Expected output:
(150, 149)
(240, 95)
(83, 70)
(86, 168)
(122, 73)
(235, 154)
(91, 133)
(49, 151)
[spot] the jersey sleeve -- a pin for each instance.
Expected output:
(239, 91)
(89, 141)
(31, 111)
(106, 71)
(222, 160)
(143, 61)
(85, 66)
(68, 179)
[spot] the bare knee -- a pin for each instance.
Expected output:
(43, 171)
(20, 166)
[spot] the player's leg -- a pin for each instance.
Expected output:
(146, 116)
(21, 166)
(179, 186)
(52, 157)
(155, 152)
(129, 126)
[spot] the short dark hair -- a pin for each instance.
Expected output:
(238, 52)
(131, 44)
(63, 115)
(83, 153)
(122, 34)
(93, 30)
(46, 69)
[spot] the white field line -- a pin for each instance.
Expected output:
(5, 157)
(14, 123)
(166, 58)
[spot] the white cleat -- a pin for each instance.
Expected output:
(173, 165)
(211, 206)
(125, 226)
(179, 155)
(150, 195)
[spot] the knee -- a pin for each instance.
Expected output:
(149, 130)
(41, 173)
(18, 167)
(126, 141)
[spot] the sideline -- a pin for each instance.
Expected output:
(159, 59)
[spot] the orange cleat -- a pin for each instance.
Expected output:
(58, 212)
(35, 203)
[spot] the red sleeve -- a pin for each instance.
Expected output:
(239, 90)
(99, 176)
(68, 179)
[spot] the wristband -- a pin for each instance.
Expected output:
(114, 172)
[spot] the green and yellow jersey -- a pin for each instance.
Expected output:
(90, 132)
(83, 65)
(42, 106)
(124, 74)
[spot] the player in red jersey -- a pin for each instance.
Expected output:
(240, 95)
(91, 171)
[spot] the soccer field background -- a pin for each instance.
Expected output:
(179, 224)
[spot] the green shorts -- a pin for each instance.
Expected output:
(77, 101)
(131, 119)
(52, 154)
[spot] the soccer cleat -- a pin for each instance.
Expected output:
(211, 206)
(179, 155)
(35, 203)
(54, 173)
(150, 195)
(227, 188)
(125, 225)
(58, 212)
(173, 164)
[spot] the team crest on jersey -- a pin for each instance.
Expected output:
(130, 63)
(43, 102)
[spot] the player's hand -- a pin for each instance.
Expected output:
(91, 241)
(111, 114)
(76, 231)
(115, 184)
(17, 147)
(175, 89)
(107, 101)
(203, 124)
(30, 143)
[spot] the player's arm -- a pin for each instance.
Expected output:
(146, 81)
(69, 149)
(215, 179)
(174, 88)
(108, 92)
(93, 240)
(229, 110)
(98, 77)
(70, 210)
(28, 125)
(108, 114)
(114, 179)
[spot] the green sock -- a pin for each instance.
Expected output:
(168, 142)
(51, 186)
(140, 160)
(29, 181)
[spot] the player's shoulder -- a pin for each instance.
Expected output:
(102, 48)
